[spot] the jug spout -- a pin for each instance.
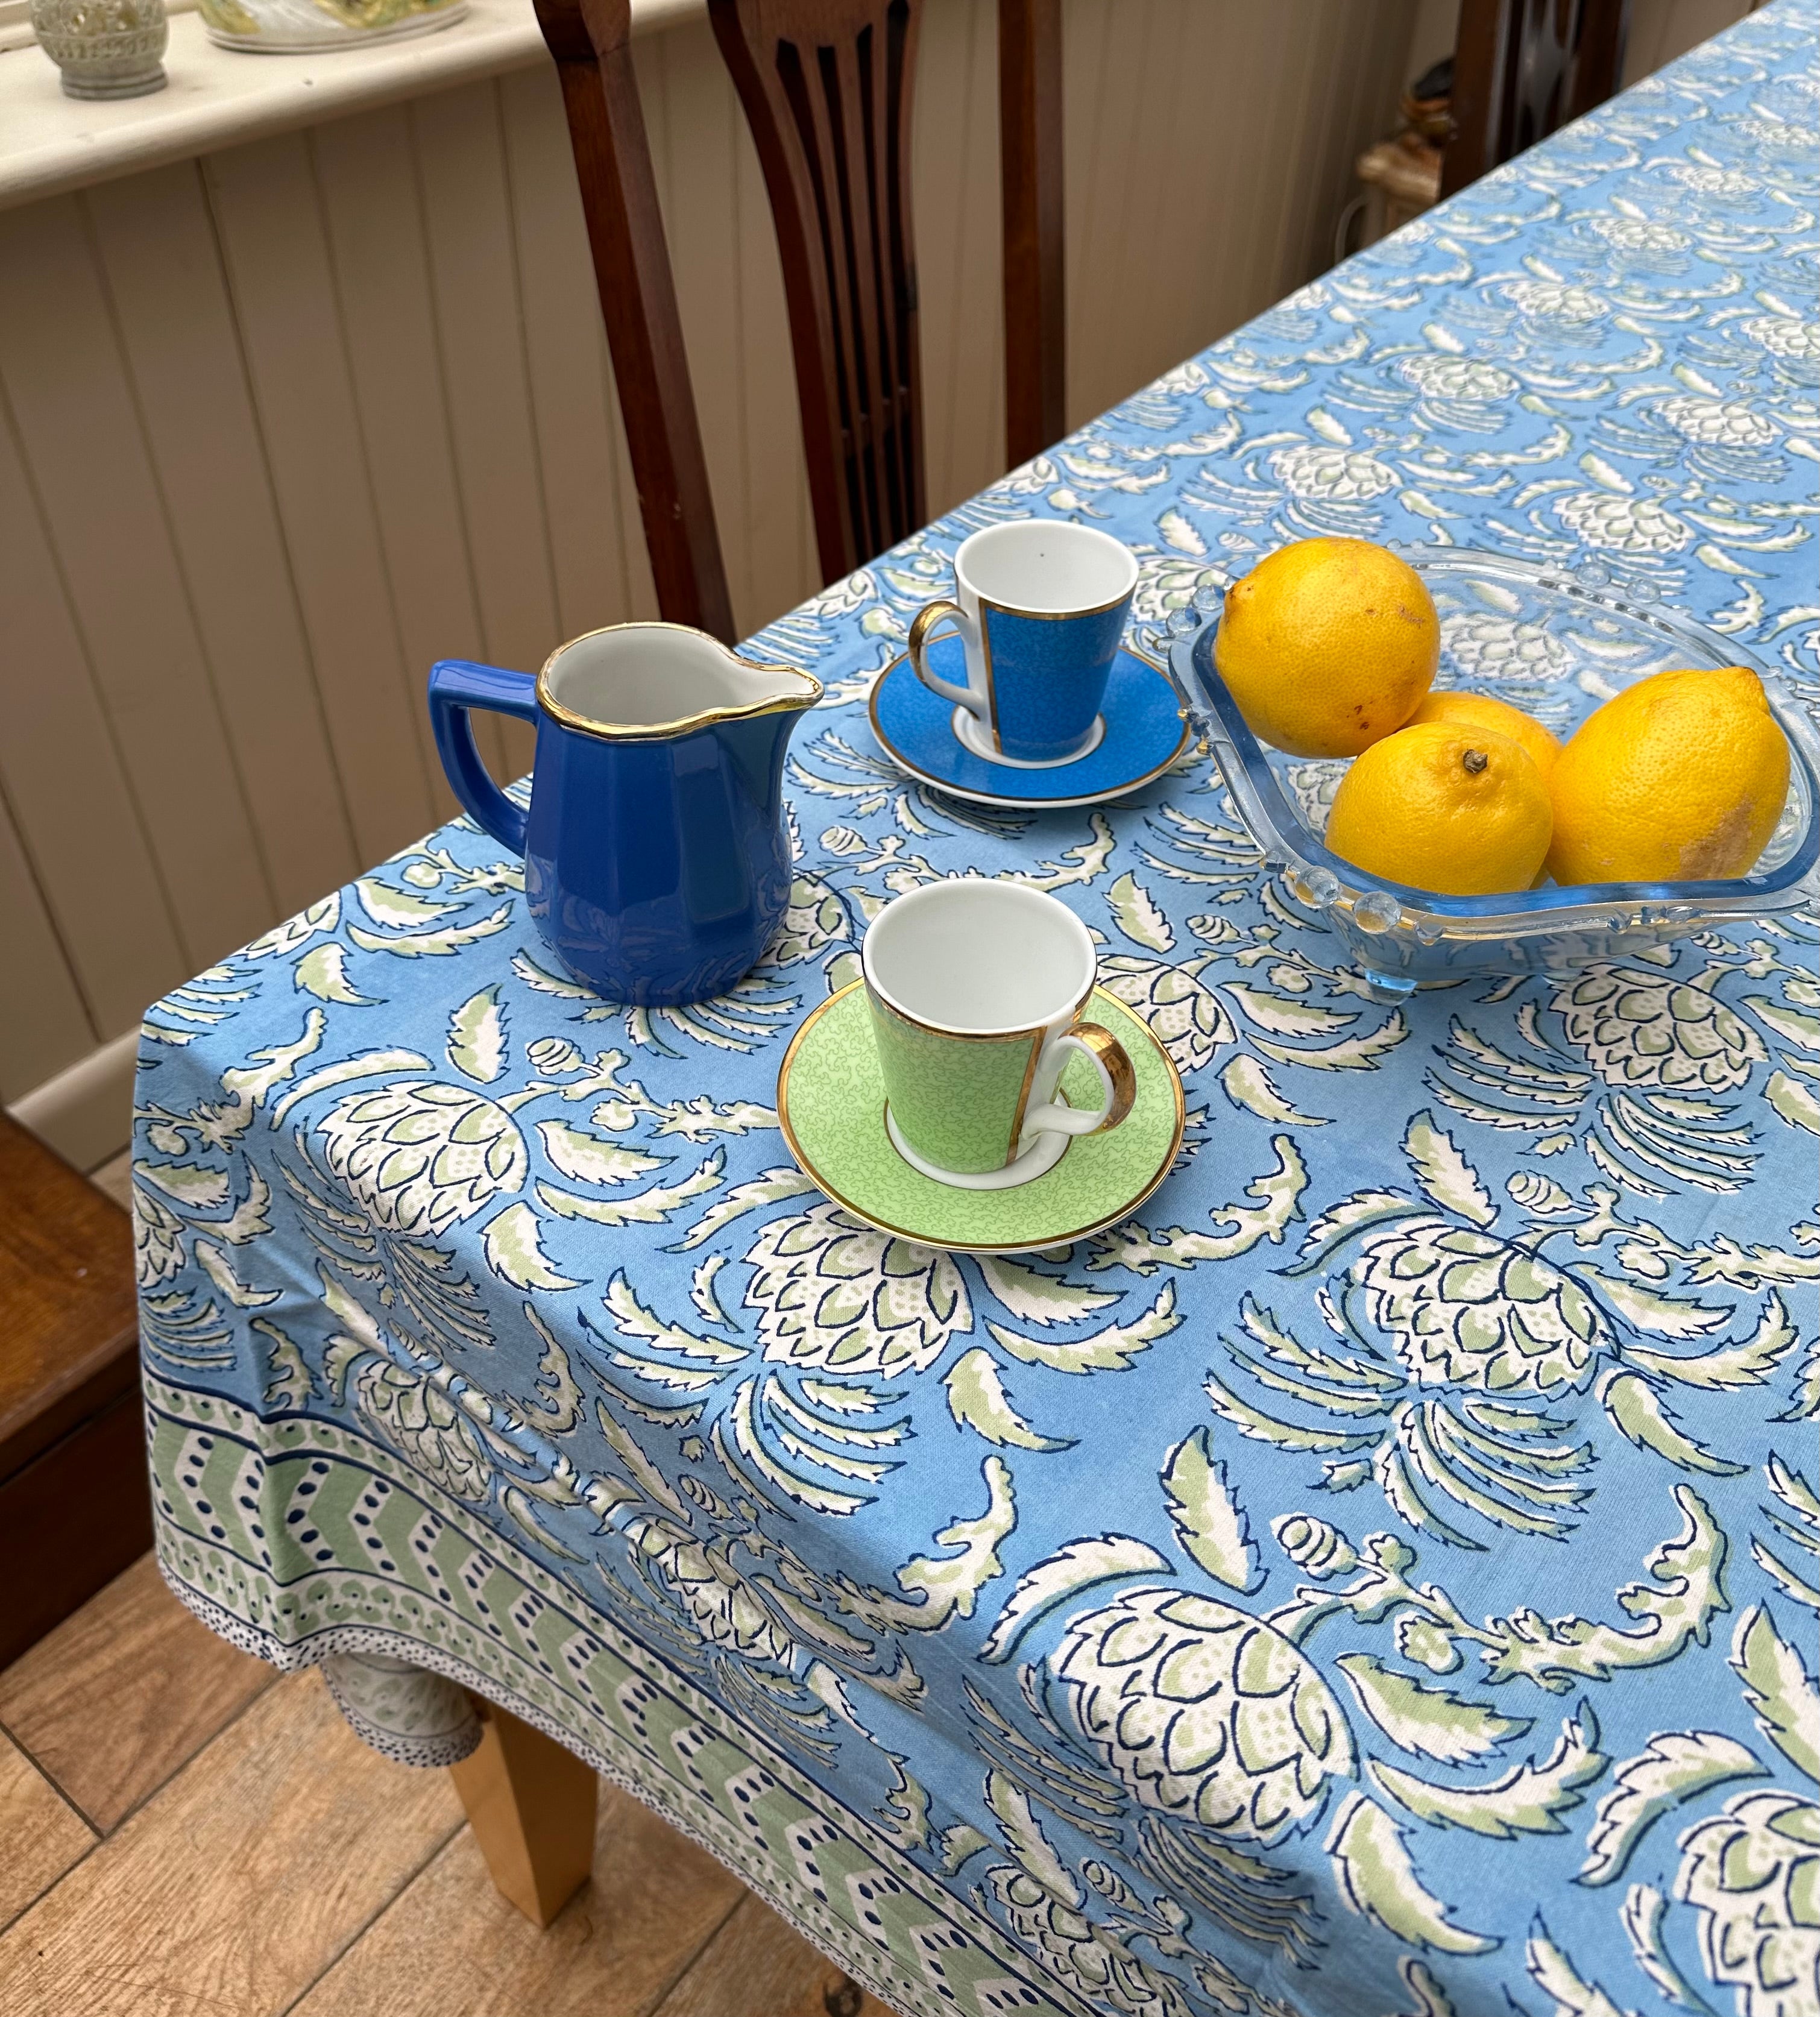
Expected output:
(643, 682)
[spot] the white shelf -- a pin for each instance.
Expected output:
(50, 143)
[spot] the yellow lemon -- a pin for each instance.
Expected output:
(1328, 645)
(1680, 778)
(1439, 806)
(1471, 710)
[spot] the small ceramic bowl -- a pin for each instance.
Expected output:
(1558, 645)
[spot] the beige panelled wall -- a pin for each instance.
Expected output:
(280, 427)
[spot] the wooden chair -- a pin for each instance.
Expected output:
(827, 89)
(75, 1504)
(1523, 68)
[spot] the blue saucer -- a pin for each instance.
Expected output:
(1144, 735)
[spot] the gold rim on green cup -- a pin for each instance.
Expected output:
(977, 990)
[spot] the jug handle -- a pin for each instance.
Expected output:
(456, 685)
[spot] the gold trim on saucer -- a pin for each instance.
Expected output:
(1166, 1164)
(620, 731)
(1184, 743)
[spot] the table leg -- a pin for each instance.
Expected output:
(531, 1804)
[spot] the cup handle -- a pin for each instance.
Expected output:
(1118, 1080)
(456, 685)
(921, 625)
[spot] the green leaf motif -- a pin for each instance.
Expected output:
(949, 1585)
(1108, 1350)
(977, 1400)
(1526, 1801)
(1793, 1101)
(1034, 1297)
(1558, 1979)
(1278, 1192)
(1431, 1999)
(322, 971)
(192, 1184)
(546, 983)
(514, 1255)
(433, 944)
(766, 1188)
(813, 920)
(1747, 1364)
(1246, 1083)
(904, 1813)
(477, 1036)
(1643, 1910)
(1027, 1843)
(1206, 1517)
(632, 1320)
(1345, 1053)
(1687, 1586)
(1799, 1520)
(364, 1064)
(1377, 1881)
(588, 1159)
(1638, 1412)
(286, 937)
(1445, 1173)
(644, 1474)
(556, 1400)
(1779, 1689)
(1136, 913)
(1080, 1565)
(1674, 1766)
(1667, 1316)
(524, 1514)
(645, 1207)
(1263, 1428)
(288, 1383)
(1432, 1723)
(1338, 1223)
(219, 1270)
(397, 909)
(1806, 1401)
(1803, 1031)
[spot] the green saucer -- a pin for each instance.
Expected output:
(831, 1105)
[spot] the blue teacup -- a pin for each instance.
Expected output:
(1041, 605)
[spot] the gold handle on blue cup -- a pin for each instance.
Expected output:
(921, 624)
(1109, 1060)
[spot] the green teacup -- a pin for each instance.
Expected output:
(977, 990)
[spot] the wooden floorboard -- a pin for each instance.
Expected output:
(240, 1881)
(40, 1835)
(757, 1966)
(253, 1860)
(121, 1692)
(449, 1946)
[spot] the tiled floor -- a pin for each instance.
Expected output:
(183, 1834)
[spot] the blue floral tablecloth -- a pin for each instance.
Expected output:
(1379, 1578)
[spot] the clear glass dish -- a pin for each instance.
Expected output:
(1556, 644)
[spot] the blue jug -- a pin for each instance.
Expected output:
(656, 863)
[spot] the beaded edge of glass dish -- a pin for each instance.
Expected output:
(1405, 938)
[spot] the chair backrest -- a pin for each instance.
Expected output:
(590, 41)
(826, 86)
(1030, 172)
(1523, 68)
